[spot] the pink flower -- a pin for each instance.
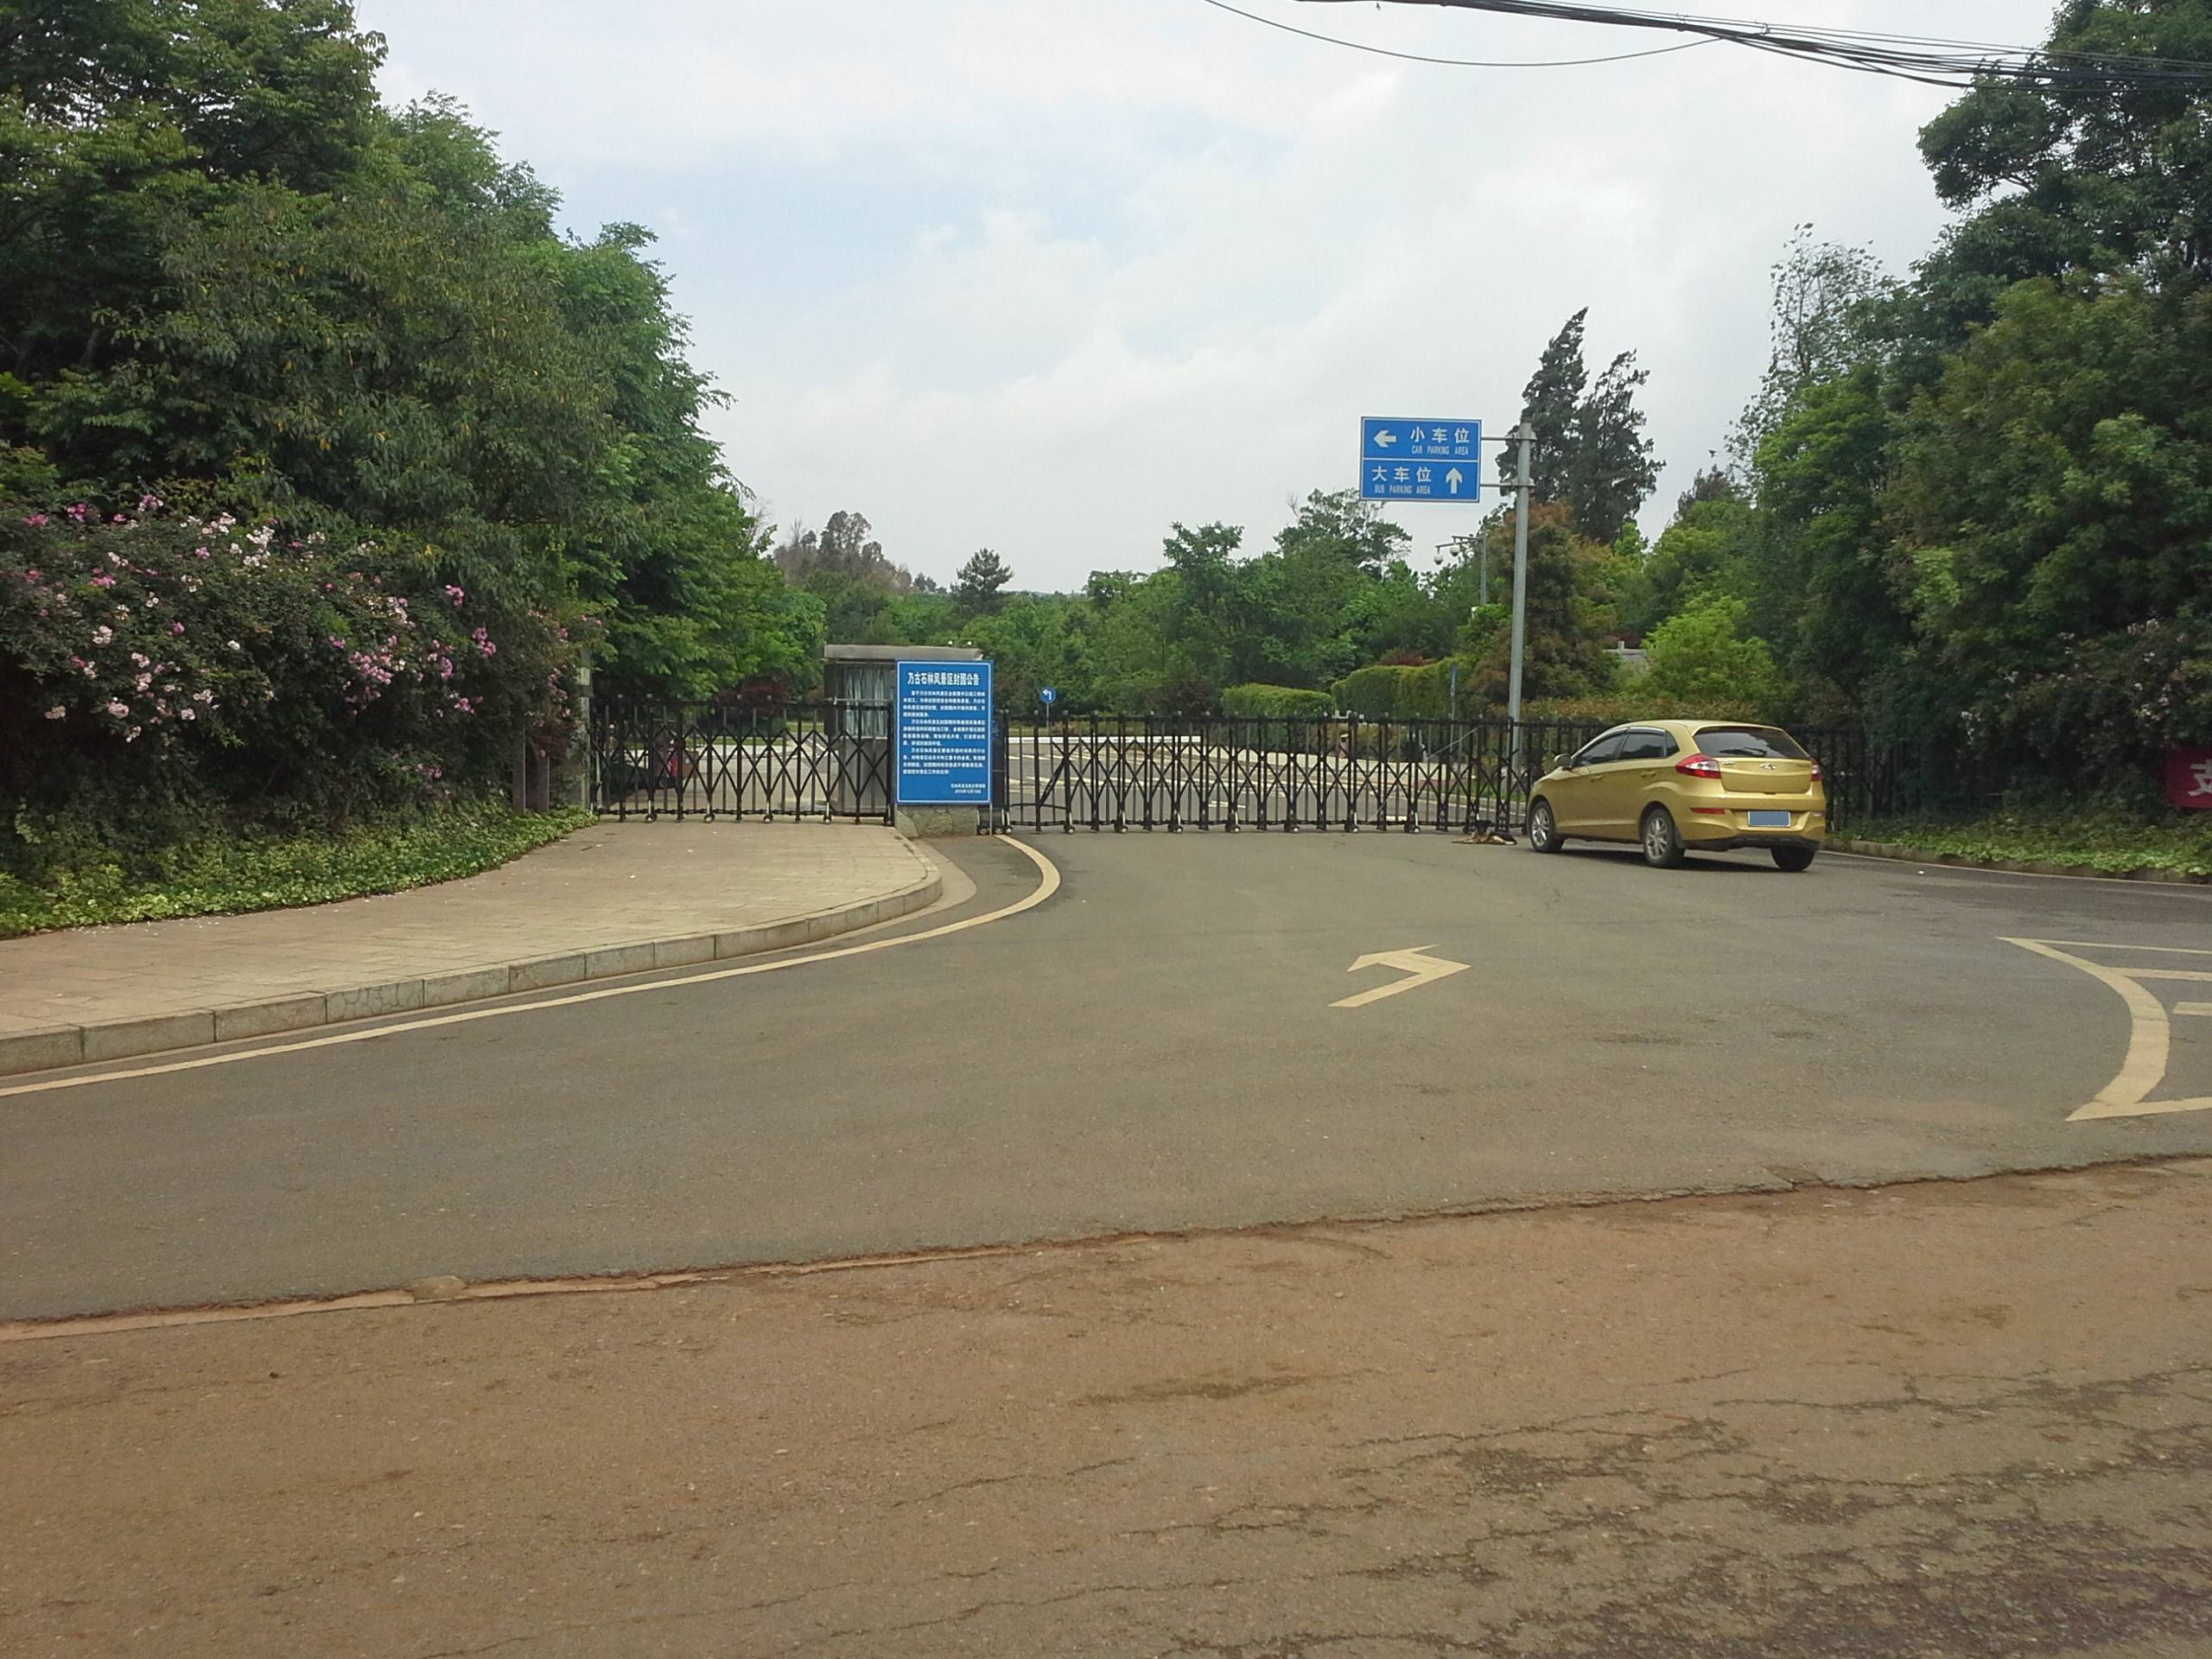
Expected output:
(188, 713)
(131, 736)
(31, 576)
(103, 634)
(78, 513)
(148, 503)
(199, 552)
(56, 712)
(103, 582)
(176, 627)
(37, 520)
(119, 709)
(454, 595)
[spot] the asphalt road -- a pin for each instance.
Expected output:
(1153, 1048)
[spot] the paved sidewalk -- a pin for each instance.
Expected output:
(612, 899)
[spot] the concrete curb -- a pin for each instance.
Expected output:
(2010, 866)
(116, 1040)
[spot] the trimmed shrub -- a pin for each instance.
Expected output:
(1616, 707)
(1394, 691)
(1276, 702)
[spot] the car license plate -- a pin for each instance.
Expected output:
(1768, 820)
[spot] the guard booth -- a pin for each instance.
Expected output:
(861, 683)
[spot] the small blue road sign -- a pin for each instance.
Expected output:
(944, 734)
(1419, 461)
(1048, 696)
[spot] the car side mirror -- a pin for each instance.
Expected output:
(1557, 763)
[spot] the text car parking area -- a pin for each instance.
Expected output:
(1182, 1035)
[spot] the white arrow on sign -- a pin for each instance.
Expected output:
(1452, 478)
(1385, 438)
(1423, 969)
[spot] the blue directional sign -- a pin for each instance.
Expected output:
(944, 734)
(1419, 461)
(1048, 696)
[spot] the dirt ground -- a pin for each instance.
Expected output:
(1944, 1420)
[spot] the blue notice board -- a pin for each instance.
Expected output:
(944, 734)
(1419, 461)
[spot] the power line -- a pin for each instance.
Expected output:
(1933, 62)
(1459, 63)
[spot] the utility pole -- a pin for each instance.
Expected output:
(1525, 435)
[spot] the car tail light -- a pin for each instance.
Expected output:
(1699, 765)
(1816, 772)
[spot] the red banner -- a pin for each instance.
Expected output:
(2188, 779)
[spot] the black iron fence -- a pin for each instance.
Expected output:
(752, 760)
(1222, 772)
(826, 760)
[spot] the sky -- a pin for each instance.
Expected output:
(1051, 276)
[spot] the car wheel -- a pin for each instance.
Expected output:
(1543, 829)
(1794, 858)
(1663, 842)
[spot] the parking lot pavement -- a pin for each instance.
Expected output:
(1182, 1034)
(1969, 1419)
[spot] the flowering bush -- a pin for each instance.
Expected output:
(152, 660)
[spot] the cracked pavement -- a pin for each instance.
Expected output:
(1968, 1420)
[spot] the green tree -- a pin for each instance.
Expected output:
(2052, 507)
(976, 588)
(2068, 173)
(1564, 649)
(1589, 447)
(1704, 551)
(1701, 655)
(1612, 471)
(844, 548)
(1551, 405)
(1822, 323)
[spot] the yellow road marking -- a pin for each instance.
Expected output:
(2193, 1007)
(1048, 884)
(2098, 945)
(2149, 1040)
(1424, 970)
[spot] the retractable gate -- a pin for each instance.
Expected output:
(742, 760)
(832, 760)
(1220, 773)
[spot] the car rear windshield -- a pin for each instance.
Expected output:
(1747, 742)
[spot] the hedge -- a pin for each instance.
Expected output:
(1388, 691)
(1276, 702)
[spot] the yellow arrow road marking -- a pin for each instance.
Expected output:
(2150, 1036)
(1423, 969)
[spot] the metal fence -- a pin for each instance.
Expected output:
(820, 760)
(826, 760)
(1222, 772)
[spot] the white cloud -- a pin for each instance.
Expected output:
(1050, 277)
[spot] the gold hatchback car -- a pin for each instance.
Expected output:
(1674, 786)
